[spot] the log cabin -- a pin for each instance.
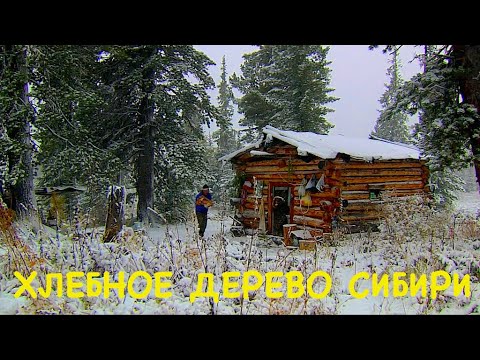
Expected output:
(350, 176)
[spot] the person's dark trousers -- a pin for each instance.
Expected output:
(202, 223)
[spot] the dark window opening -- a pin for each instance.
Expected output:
(375, 194)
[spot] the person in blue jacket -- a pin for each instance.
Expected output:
(203, 201)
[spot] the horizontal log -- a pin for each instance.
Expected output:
(250, 223)
(387, 186)
(381, 172)
(357, 196)
(392, 164)
(286, 177)
(283, 150)
(364, 201)
(380, 179)
(333, 182)
(314, 212)
(325, 203)
(282, 162)
(309, 221)
(360, 195)
(250, 205)
(403, 191)
(249, 190)
(276, 169)
(360, 218)
(251, 213)
(396, 197)
(362, 207)
(352, 192)
(330, 193)
(253, 199)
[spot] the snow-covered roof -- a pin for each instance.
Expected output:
(239, 151)
(328, 146)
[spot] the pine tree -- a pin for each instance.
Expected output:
(392, 125)
(16, 118)
(285, 86)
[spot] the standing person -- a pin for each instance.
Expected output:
(203, 201)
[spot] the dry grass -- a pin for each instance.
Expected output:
(414, 238)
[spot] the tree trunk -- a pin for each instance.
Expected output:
(469, 57)
(115, 212)
(21, 196)
(145, 159)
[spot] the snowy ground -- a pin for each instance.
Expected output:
(412, 240)
(468, 202)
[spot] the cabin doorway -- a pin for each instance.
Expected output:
(280, 196)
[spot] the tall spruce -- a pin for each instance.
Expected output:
(286, 86)
(69, 103)
(16, 118)
(444, 182)
(155, 91)
(225, 137)
(392, 125)
(449, 124)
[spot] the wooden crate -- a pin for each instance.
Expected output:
(307, 244)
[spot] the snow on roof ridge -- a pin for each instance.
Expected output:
(410, 146)
(329, 146)
(239, 151)
(298, 141)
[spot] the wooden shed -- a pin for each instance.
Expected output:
(350, 175)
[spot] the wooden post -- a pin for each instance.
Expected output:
(115, 212)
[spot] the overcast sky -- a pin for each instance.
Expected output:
(358, 77)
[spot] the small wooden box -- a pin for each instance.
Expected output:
(307, 244)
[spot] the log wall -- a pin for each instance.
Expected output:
(346, 183)
(356, 180)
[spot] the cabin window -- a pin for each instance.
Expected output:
(375, 194)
